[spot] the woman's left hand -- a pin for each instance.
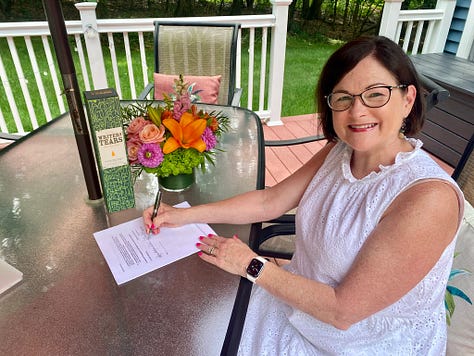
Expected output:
(229, 254)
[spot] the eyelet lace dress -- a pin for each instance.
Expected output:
(335, 216)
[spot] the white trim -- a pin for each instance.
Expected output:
(467, 38)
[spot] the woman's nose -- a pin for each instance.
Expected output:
(357, 104)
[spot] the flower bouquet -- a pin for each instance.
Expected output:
(174, 137)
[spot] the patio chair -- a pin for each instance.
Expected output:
(198, 49)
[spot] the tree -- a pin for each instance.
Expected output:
(184, 8)
(236, 8)
(314, 12)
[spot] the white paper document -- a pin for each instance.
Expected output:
(9, 276)
(131, 253)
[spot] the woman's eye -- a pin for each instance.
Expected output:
(344, 98)
(376, 93)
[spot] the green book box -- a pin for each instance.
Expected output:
(105, 122)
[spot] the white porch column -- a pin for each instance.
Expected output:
(277, 60)
(389, 22)
(466, 44)
(94, 49)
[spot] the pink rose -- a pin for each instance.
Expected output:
(133, 146)
(152, 134)
(136, 126)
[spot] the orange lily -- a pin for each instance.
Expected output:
(186, 133)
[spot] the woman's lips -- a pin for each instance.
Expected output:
(362, 127)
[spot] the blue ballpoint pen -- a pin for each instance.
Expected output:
(155, 209)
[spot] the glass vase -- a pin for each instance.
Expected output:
(177, 183)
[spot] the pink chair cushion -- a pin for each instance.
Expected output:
(209, 86)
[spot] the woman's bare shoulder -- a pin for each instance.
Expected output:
(433, 202)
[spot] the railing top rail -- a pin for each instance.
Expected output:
(40, 28)
(33, 28)
(421, 15)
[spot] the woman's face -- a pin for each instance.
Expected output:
(366, 129)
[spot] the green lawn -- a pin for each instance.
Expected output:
(304, 60)
(303, 64)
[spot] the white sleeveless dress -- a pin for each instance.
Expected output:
(335, 216)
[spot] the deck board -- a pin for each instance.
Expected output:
(283, 161)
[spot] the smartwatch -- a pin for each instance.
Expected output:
(255, 268)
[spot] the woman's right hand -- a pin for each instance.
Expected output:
(167, 217)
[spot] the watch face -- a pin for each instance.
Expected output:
(254, 267)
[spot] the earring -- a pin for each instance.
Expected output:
(403, 128)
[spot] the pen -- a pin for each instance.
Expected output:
(155, 209)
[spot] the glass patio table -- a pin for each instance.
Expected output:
(68, 301)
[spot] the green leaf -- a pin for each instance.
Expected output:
(155, 115)
(449, 303)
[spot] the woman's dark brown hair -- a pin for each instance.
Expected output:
(387, 53)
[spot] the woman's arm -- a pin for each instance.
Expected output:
(254, 206)
(406, 244)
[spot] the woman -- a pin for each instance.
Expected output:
(376, 224)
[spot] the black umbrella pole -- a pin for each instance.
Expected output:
(58, 31)
(81, 133)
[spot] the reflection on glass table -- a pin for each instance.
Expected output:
(68, 301)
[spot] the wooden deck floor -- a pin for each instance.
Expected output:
(282, 161)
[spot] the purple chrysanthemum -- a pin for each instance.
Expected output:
(209, 139)
(150, 155)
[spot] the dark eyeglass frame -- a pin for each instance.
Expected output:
(353, 96)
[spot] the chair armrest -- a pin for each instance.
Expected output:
(276, 230)
(236, 97)
(296, 141)
(284, 219)
(10, 137)
(146, 91)
(435, 93)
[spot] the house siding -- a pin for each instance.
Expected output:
(457, 26)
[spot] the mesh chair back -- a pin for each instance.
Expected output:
(198, 49)
(464, 172)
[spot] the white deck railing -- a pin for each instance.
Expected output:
(132, 73)
(417, 31)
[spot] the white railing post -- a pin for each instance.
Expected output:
(94, 49)
(277, 60)
(441, 28)
(389, 21)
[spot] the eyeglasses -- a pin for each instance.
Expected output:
(374, 97)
